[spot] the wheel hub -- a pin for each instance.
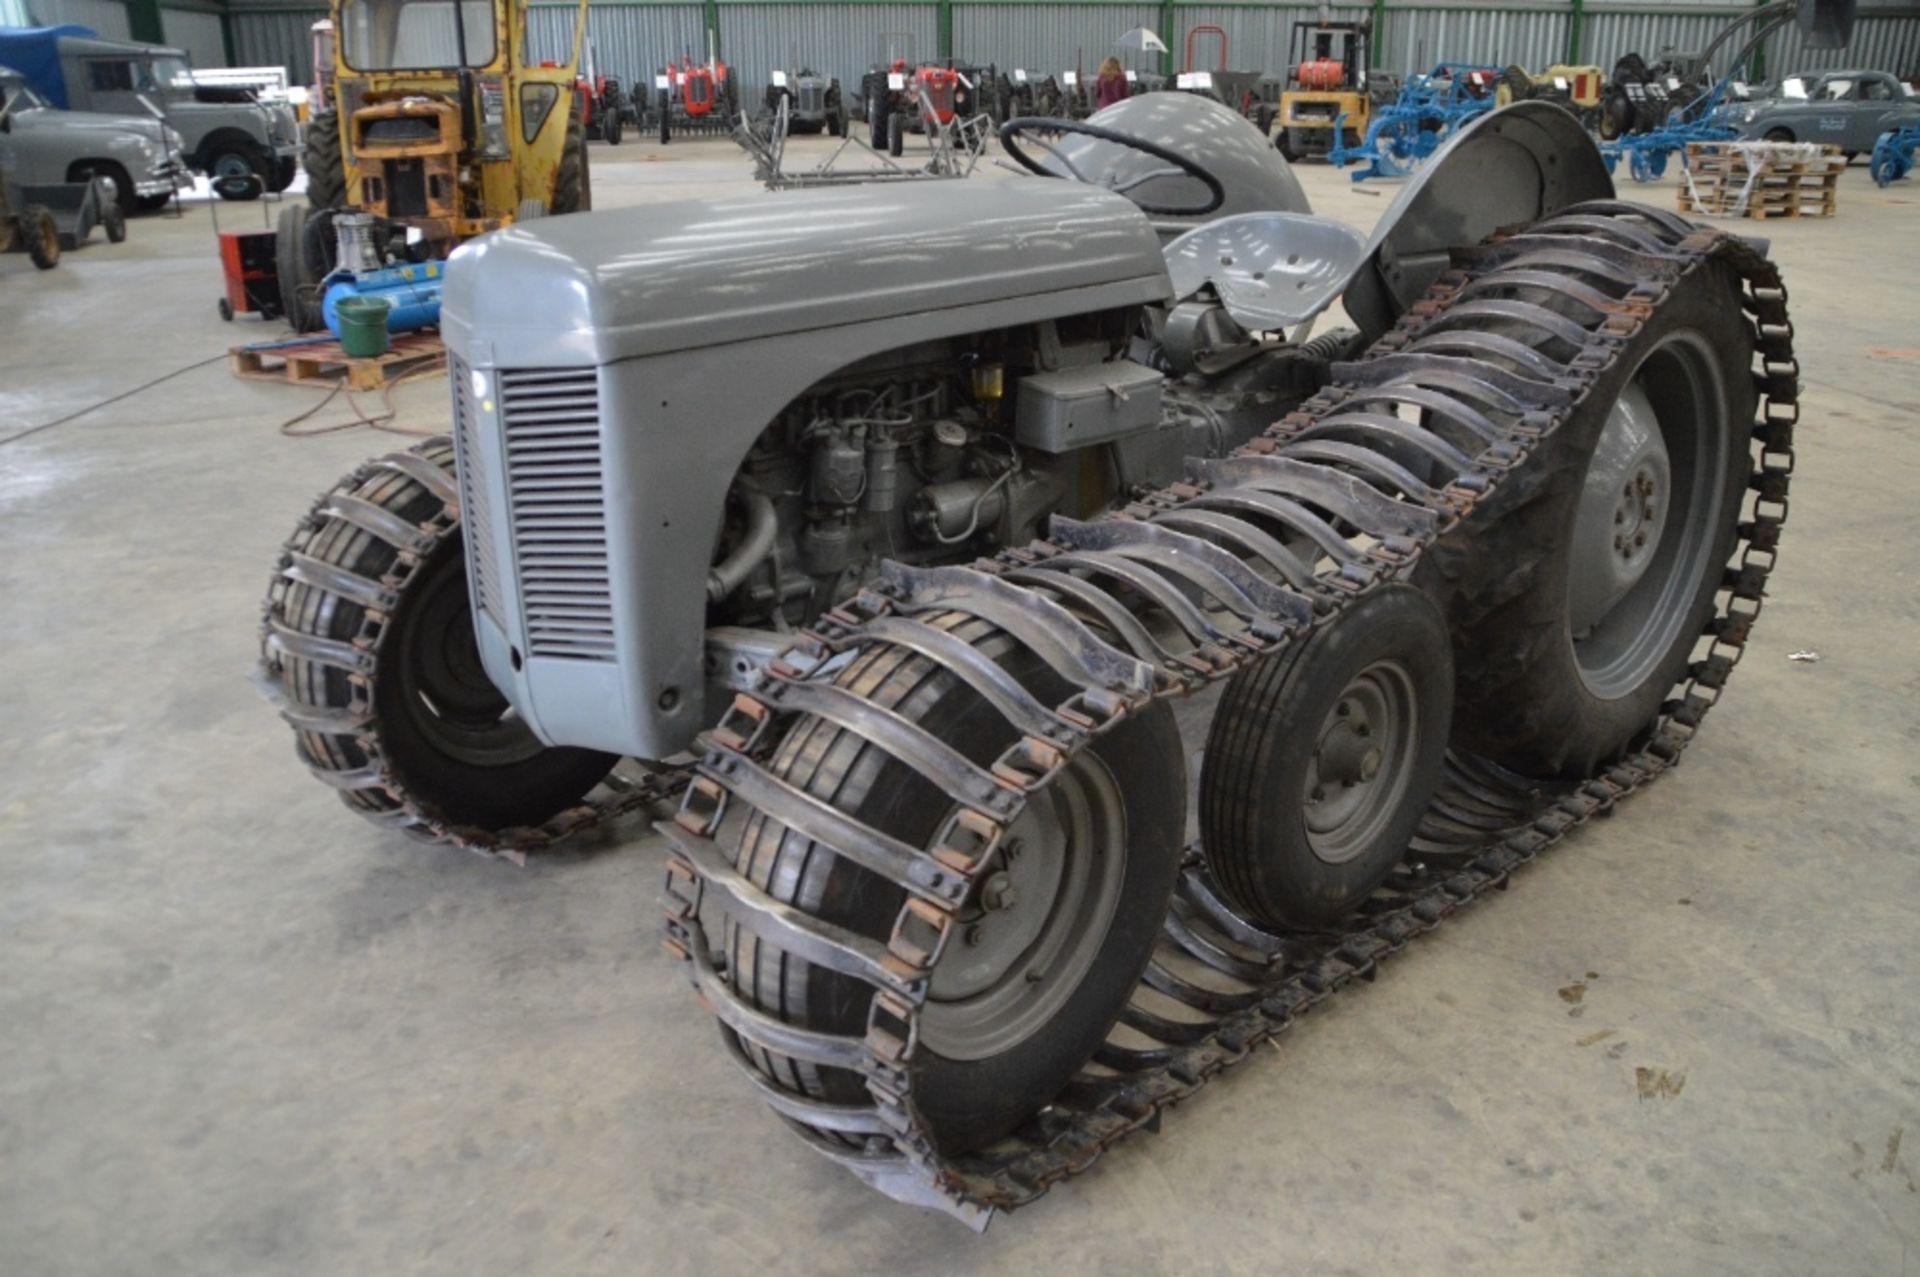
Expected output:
(1623, 510)
(1029, 935)
(1361, 761)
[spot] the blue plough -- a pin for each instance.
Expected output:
(1429, 110)
(1893, 155)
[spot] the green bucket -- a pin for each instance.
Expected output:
(363, 325)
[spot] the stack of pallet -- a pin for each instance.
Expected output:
(1761, 179)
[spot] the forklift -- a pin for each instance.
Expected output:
(1326, 78)
(437, 127)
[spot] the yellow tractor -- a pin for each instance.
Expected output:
(1576, 88)
(439, 123)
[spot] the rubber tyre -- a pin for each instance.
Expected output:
(611, 128)
(113, 220)
(967, 1104)
(42, 236)
(487, 797)
(1261, 745)
(1779, 135)
(1504, 574)
(151, 203)
(298, 274)
(1283, 143)
(114, 175)
(258, 160)
(326, 168)
(897, 134)
(877, 127)
(572, 185)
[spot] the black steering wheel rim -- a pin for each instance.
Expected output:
(1216, 192)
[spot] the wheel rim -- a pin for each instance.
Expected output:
(231, 165)
(1021, 948)
(1661, 468)
(446, 693)
(1363, 756)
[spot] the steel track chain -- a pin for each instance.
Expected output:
(1618, 260)
(383, 796)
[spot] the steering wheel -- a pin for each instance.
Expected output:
(1020, 125)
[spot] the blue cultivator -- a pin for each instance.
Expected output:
(1893, 154)
(1429, 110)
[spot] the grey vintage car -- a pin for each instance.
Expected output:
(138, 156)
(1849, 109)
(227, 131)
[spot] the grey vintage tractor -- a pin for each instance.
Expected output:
(814, 101)
(1451, 579)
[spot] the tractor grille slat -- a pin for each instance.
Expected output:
(552, 421)
(475, 514)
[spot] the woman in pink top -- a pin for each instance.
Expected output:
(1112, 86)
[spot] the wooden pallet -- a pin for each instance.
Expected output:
(1773, 180)
(324, 363)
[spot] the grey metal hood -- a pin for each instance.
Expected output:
(593, 288)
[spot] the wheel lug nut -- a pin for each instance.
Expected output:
(1370, 764)
(1343, 709)
(997, 892)
(972, 936)
(1319, 795)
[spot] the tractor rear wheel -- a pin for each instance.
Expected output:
(1041, 963)
(1575, 604)
(572, 186)
(369, 645)
(897, 134)
(42, 236)
(326, 170)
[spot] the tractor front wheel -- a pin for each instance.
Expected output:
(369, 649)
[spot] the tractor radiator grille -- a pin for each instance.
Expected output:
(552, 419)
(812, 99)
(475, 516)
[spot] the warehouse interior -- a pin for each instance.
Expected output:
(247, 1032)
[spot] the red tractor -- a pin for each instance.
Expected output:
(925, 99)
(604, 105)
(696, 97)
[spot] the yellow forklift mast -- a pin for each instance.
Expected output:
(1326, 78)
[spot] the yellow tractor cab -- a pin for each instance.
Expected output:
(437, 122)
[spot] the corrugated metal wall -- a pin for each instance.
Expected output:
(198, 33)
(1416, 39)
(108, 17)
(276, 37)
(1051, 38)
(630, 41)
(843, 39)
(839, 40)
(1885, 43)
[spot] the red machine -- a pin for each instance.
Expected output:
(251, 274)
(940, 83)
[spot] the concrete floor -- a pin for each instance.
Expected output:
(242, 1032)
